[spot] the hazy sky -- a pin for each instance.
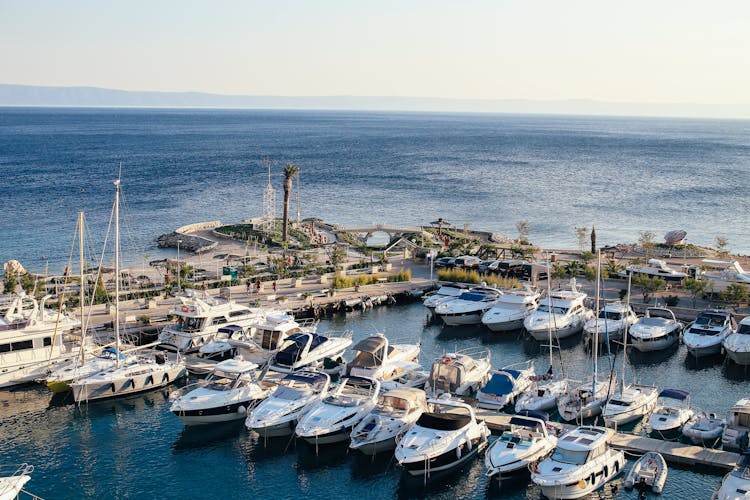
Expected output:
(634, 50)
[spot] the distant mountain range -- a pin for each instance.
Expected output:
(28, 95)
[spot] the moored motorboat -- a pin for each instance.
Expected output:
(461, 373)
(445, 437)
(301, 350)
(296, 393)
(12, 486)
(648, 473)
(511, 310)
(629, 403)
(581, 463)
(655, 268)
(705, 335)
(267, 335)
(738, 425)
(735, 484)
(526, 441)
(505, 385)
(671, 413)
(377, 357)
(332, 419)
(447, 292)
(562, 311)
(737, 345)
(586, 400)
(395, 413)
(704, 429)
(612, 322)
(657, 329)
(469, 307)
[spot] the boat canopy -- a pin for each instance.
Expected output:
(370, 352)
(443, 421)
(231, 329)
(499, 383)
(674, 394)
(411, 397)
(363, 382)
(524, 422)
(541, 415)
(473, 296)
(235, 366)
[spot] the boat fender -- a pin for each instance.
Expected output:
(458, 450)
(535, 466)
(582, 483)
(241, 410)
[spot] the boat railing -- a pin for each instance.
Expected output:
(520, 366)
(476, 353)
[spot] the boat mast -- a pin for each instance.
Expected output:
(596, 321)
(117, 272)
(625, 337)
(81, 294)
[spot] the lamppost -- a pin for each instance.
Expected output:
(179, 288)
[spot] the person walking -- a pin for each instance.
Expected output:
(274, 286)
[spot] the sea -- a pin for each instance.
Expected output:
(622, 175)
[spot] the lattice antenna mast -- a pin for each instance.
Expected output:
(269, 202)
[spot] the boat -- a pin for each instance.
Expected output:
(397, 410)
(296, 393)
(732, 271)
(220, 348)
(526, 442)
(147, 369)
(469, 307)
(704, 429)
(581, 463)
(704, 336)
(738, 425)
(332, 419)
(561, 310)
(267, 335)
(461, 373)
(654, 268)
(613, 322)
(648, 473)
(60, 379)
(511, 310)
(443, 438)
(737, 344)
(657, 329)
(199, 319)
(446, 292)
(304, 349)
(33, 339)
(671, 413)
(377, 357)
(505, 385)
(12, 486)
(413, 376)
(735, 484)
(227, 394)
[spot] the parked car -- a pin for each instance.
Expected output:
(467, 262)
(534, 272)
(445, 262)
(486, 266)
(510, 268)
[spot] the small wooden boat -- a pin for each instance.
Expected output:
(704, 428)
(648, 473)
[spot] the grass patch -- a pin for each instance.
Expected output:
(471, 276)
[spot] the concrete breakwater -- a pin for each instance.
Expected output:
(189, 242)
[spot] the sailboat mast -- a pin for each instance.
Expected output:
(625, 333)
(117, 271)
(81, 294)
(549, 308)
(595, 347)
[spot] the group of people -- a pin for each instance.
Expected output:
(258, 286)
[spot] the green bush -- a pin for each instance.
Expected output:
(471, 276)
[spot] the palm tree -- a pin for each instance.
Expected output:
(290, 170)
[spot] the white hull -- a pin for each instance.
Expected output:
(469, 318)
(506, 326)
(98, 387)
(656, 344)
(565, 331)
(28, 371)
(375, 447)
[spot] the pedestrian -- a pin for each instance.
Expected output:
(257, 285)
(247, 285)
(274, 286)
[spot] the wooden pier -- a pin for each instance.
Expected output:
(673, 452)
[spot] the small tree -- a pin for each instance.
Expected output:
(581, 234)
(646, 241)
(696, 287)
(559, 272)
(523, 228)
(587, 257)
(574, 268)
(648, 285)
(734, 293)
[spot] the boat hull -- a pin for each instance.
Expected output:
(330, 437)
(468, 318)
(656, 344)
(739, 357)
(276, 430)
(224, 413)
(93, 390)
(445, 461)
(375, 447)
(505, 326)
(542, 335)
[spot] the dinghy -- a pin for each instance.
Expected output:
(648, 473)
(704, 429)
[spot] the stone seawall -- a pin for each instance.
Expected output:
(188, 242)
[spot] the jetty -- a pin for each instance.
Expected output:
(673, 452)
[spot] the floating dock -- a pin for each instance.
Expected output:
(673, 452)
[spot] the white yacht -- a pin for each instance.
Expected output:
(705, 335)
(738, 423)
(732, 271)
(511, 310)
(581, 463)
(11, 487)
(672, 411)
(657, 329)
(446, 436)
(267, 335)
(737, 345)
(586, 400)
(60, 379)
(395, 413)
(736, 484)
(228, 393)
(461, 373)
(220, 348)
(33, 339)
(332, 419)
(613, 322)
(562, 311)
(304, 349)
(199, 319)
(527, 441)
(376, 357)
(447, 292)
(629, 403)
(543, 394)
(505, 385)
(296, 393)
(655, 267)
(469, 307)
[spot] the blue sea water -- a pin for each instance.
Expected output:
(623, 175)
(134, 448)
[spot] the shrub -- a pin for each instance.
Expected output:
(671, 300)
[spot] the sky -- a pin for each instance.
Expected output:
(661, 51)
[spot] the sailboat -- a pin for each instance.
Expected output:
(632, 402)
(146, 370)
(588, 399)
(545, 390)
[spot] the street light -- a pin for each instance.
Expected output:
(179, 288)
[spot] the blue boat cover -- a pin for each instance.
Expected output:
(674, 394)
(514, 373)
(499, 384)
(472, 296)
(541, 415)
(307, 377)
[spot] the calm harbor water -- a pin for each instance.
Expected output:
(134, 448)
(624, 175)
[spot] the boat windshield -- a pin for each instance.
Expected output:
(617, 402)
(613, 315)
(555, 310)
(577, 457)
(391, 404)
(710, 319)
(744, 329)
(289, 393)
(219, 381)
(517, 439)
(190, 324)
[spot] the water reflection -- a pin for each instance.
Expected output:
(210, 436)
